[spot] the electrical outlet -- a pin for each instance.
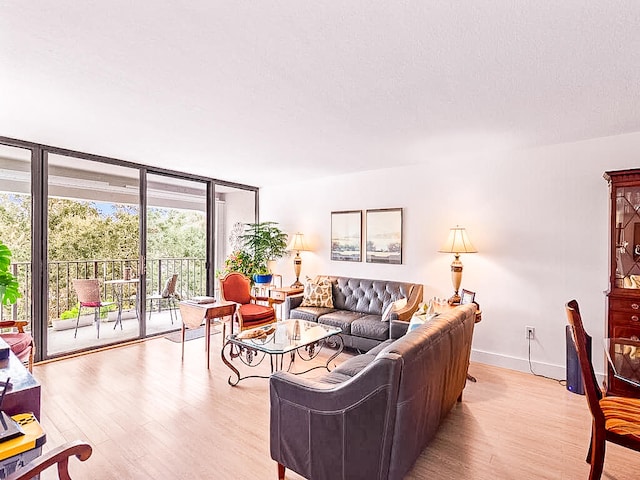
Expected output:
(530, 333)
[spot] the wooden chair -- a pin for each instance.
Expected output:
(58, 456)
(615, 419)
(20, 342)
(235, 287)
(168, 294)
(88, 291)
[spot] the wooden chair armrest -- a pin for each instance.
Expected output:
(59, 455)
(14, 324)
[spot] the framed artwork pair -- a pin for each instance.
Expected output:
(383, 235)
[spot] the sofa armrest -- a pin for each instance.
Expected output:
(398, 328)
(348, 426)
(291, 302)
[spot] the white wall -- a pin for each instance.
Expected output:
(539, 219)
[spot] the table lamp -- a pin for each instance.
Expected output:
(297, 244)
(458, 242)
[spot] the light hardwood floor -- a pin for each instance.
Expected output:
(150, 416)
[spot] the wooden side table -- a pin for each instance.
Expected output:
(279, 295)
(24, 395)
(193, 314)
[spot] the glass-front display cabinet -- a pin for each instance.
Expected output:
(623, 296)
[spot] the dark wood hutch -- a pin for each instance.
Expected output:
(623, 296)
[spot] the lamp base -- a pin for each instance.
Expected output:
(297, 284)
(454, 300)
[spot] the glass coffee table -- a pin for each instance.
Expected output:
(287, 338)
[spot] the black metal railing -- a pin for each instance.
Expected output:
(62, 297)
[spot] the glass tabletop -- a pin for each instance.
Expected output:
(285, 336)
(623, 355)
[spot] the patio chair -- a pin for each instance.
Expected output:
(168, 294)
(235, 287)
(20, 342)
(88, 291)
(615, 419)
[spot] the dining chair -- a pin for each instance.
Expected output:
(20, 342)
(614, 419)
(235, 287)
(169, 294)
(88, 291)
(58, 456)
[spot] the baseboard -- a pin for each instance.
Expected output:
(522, 365)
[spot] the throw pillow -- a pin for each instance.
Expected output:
(317, 294)
(393, 307)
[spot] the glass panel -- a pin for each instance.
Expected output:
(93, 233)
(628, 237)
(176, 247)
(15, 225)
(234, 208)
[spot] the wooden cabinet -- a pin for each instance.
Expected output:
(623, 296)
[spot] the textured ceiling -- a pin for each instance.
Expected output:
(241, 90)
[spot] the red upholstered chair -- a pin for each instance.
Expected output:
(615, 419)
(20, 342)
(235, 287)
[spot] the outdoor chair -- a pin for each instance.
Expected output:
(89, 297)
(235, 287)
(58, 456)
(615, 419)
(20, 342)
(168, 294)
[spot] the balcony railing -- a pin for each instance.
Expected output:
(191, 281)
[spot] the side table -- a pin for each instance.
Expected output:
(24, 395)
(280, 295)
(194, 313)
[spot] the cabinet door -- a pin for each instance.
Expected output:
(627, 237)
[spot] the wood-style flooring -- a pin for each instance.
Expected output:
(150, 416)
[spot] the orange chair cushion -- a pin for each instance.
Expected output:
(18, 342)
(252, 313)
(622, 415)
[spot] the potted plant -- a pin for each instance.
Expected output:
(9, 288)
(265, 242)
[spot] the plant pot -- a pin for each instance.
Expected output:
(262, 279)
(68, 323)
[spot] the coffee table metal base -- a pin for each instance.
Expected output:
(252, 357)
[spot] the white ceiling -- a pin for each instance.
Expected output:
(244, 90)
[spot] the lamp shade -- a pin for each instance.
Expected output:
(458, 242)
(297, 243)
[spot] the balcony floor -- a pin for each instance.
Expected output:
(62, 341)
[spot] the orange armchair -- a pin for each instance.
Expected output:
(20, 342)
(235, 287)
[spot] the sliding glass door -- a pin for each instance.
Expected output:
(93, 234)
(176, 248)
(15, 226)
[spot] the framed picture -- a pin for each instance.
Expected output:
(346, 236)
(384, 236)
(467, 297)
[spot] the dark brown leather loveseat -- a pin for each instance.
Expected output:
(358, 306)
(372, 416)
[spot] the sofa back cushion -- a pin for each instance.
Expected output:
(367, 296)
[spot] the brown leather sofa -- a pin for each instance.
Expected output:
(358, 305)
(371, 417)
